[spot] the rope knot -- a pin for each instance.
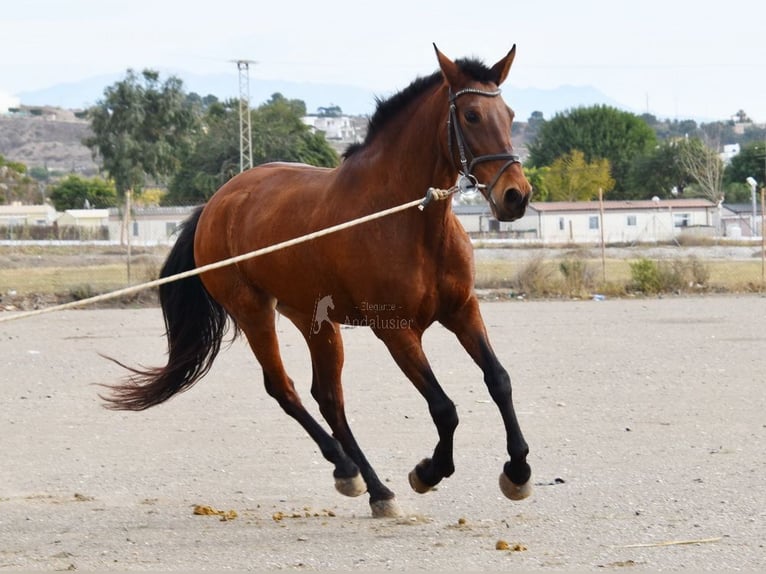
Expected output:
(436, 194)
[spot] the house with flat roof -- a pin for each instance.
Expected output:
(630, 221)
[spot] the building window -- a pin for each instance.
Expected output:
(631, 221)
(135, 229)
(681, 220)
(593, 222)
(561, 224)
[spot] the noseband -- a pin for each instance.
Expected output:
(467, 181)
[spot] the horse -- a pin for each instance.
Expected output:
(397, 275)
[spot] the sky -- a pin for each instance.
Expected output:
(675, 59)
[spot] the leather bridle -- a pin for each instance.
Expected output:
(468, 182)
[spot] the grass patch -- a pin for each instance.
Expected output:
(578, 278)
(58, 280)
(77, 272)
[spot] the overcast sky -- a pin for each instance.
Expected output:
(673, 58)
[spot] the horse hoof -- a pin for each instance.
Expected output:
(512, 490)
(385, 509)
(353, 486)
(418, 485)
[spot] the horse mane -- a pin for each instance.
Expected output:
(390, 107)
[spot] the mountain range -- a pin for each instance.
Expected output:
(352, 100)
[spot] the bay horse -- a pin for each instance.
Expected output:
(397, 275)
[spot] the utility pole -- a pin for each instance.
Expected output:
(245, 129)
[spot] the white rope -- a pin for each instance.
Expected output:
(230, 261)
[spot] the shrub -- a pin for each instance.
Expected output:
(534, 278)
(645, 276)
(578, 276)
(662, 277)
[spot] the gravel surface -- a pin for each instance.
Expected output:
(645, 420)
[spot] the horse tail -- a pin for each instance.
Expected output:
(194, 324)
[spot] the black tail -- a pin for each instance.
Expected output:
(194, 324)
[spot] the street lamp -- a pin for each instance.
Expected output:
(753, 185)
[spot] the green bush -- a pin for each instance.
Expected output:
(645, 276)
(653, 277)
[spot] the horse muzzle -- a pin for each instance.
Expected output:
(512, 204)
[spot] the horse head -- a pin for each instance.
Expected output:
(479, 134)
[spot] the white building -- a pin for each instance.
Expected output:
(342, 129)
(18, 215)
(149, 225)
(561, 222)
(729, 151)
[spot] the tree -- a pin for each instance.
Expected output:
(536, 176)
(659, 172)
(212, 161)
(571, 178)
(16, 184)
(279, 134)
(749, 162)
(141, 129)
(599, 132)
(705, 167)
(75, 192)
(331, 111)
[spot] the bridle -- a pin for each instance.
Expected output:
(467, 182)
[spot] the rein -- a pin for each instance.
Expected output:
(467, 181)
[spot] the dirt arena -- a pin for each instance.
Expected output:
(646, 421)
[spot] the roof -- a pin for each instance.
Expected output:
(15, 209)
(473, 209)
(746, 208)
(88, 213)
(628, 205)
(161, 210)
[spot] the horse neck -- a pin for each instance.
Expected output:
(409, 152)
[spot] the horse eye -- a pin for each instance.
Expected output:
(472, 117)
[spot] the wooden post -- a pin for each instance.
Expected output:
(601, 225)
(763, 242)
(128, 230)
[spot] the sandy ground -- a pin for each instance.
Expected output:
(646, 421)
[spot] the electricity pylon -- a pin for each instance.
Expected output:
(245, 129)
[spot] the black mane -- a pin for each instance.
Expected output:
(390, 107)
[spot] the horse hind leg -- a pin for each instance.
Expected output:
(326, 348)
(258, 323)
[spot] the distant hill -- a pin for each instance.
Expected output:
(52, 140)
(352, 100)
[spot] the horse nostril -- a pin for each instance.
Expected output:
(514, 198)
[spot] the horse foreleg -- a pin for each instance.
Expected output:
(406, 348)
(469, 327)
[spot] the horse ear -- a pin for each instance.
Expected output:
(500, 70)
(449, 68)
